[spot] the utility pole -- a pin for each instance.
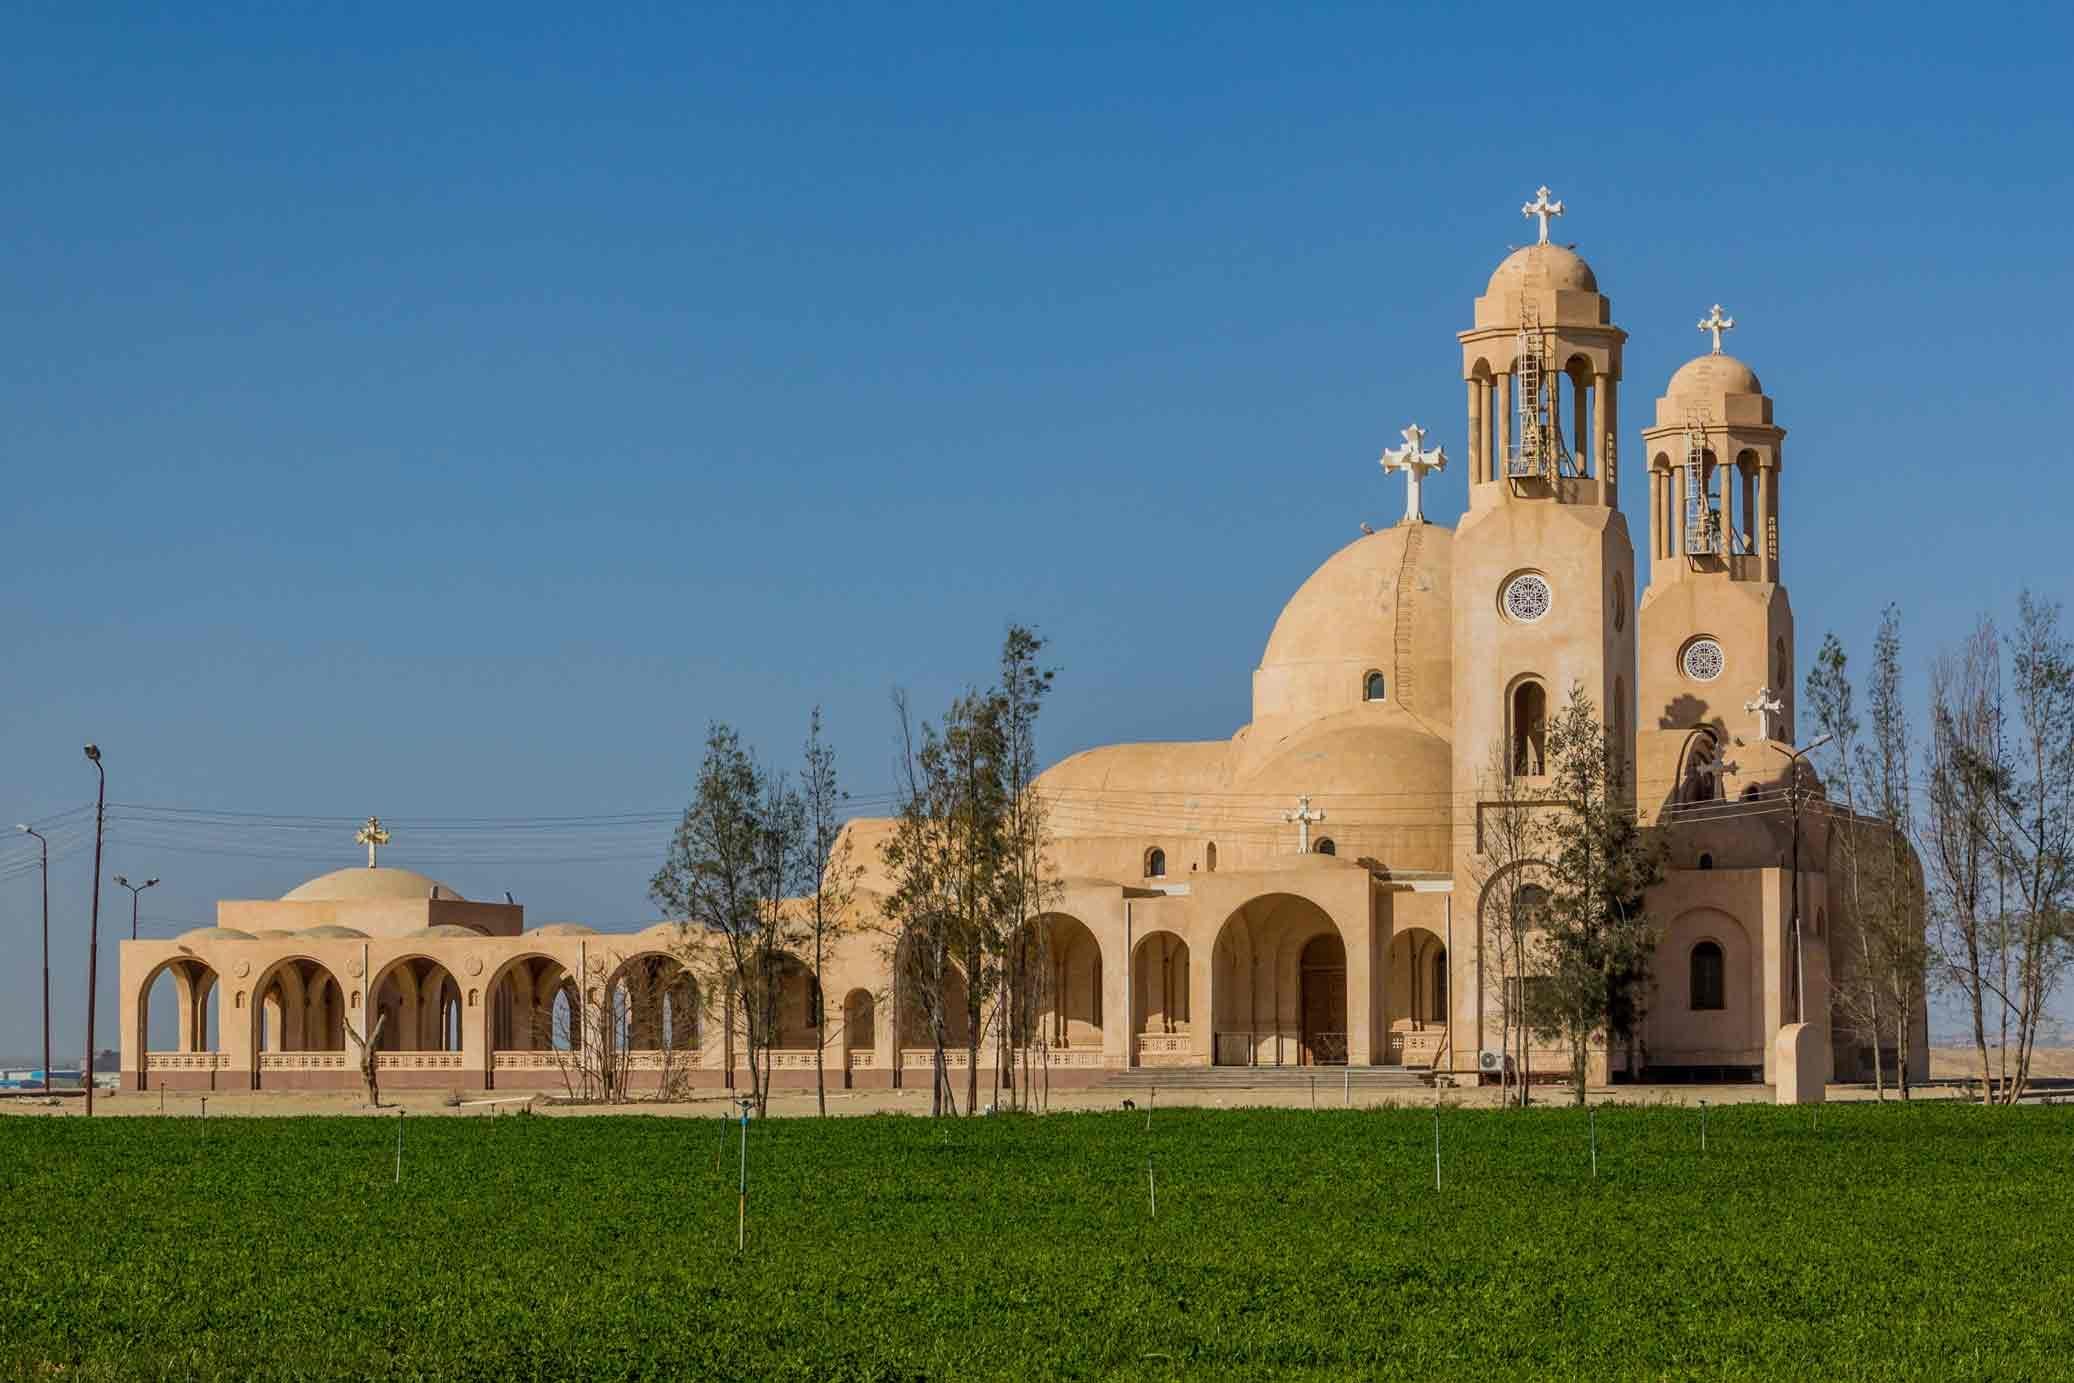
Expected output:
(1796, 798)
(135, 889)
(93, 944)
(45, 844)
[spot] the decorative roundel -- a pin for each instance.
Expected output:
(1528, 597)
(1703, 660)
(242, 969)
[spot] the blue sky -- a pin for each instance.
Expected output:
(444, 412)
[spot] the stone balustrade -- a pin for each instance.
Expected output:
(187, 1061)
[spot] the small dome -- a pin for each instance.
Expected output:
(217, 934)
(564, 929)
(1712, 377)
(444, 931)
(1541, 267)
(331, 931)
(352, 885)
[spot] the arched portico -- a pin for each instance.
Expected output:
(1417, 996)
(1284, 988)
(418, 1003)
(186, 992)
(1160, 999)
(295, 1025)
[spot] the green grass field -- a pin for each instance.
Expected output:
(1927, 1242)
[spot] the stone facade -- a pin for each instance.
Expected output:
(1414, 669)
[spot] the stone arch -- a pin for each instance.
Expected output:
(1155, 863)
(297, 1006)
(1159, 984)
(653, 1002)
(1065, 1005)
(1265, 1009)
(860, 1023)
(911, 1015)
(419, 1003)
(1417, 979)
(1578, 377)
(192, 1007)
(1526, 726)
(1698, 781)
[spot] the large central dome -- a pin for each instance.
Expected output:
(1382, 604)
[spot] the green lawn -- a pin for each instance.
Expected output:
(1927, 1242)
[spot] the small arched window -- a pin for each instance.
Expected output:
(1706, 860)
(1210, 858)
(1325, 846)
(1529, 729)
(1155, 863)
(1708, 975)
(1373, 687)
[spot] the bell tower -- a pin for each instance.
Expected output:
(1543, 566)
(1716, 625)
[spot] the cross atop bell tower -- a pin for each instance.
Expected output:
(1717, 324)
(1543, 208)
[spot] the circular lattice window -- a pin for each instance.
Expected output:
(1527, 597)
(1703, 661)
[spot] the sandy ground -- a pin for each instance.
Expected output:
(1948, 1066)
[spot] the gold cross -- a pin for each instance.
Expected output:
(373, 837)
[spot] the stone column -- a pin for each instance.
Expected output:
(1202, 1010)
(475, 1033)
(1585, 444)
(1502, 396)
(1600, 433)
(184, 988)
(1116, 1000)
(1476, 432)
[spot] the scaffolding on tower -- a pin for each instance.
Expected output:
(1539, 451)
(1702, 519)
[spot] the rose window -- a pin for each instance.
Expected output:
(1528, 597)
(1703, 660)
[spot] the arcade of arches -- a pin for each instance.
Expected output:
(1287, 896)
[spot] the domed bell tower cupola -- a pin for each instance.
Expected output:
(1716, 625)
(1543, 370)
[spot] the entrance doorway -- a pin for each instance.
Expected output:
(1324, 999)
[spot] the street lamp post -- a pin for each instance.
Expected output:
(93, 944)
(1796, 798)
(135, 890)
(45, 844)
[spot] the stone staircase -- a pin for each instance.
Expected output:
(1332, 1079)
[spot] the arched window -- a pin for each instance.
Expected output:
(1155, 863)
(1210, 858)
(1708, 974)
(1325, 846)
(1706, 860)
(1529, 729)
(1372, 687)
(1702, 776)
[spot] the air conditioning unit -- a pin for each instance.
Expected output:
(1491, 1062)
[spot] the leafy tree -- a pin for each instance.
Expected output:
(1599, 864)
(832, 872)
(730, 867)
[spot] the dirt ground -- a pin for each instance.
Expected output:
(1948, 1067)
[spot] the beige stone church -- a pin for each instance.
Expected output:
(1305, 893)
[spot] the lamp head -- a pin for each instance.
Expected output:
(22, 826)
(1817, 743)
(93, 753)
(121, 881)
(148, 883)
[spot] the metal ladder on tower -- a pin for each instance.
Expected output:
(1528, 463)
(1542, 455)
(1702, 523)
